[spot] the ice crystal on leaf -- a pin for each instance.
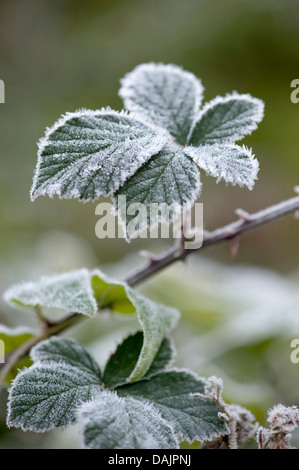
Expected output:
(228, 162)
(85, 292)
(111, 422)
(226, 119)
(69, 291)
(89, 153)
(48, 393)
(166, 94)
(65, 384)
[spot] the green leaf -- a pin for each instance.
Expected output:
(46, 395)
(122, 363)
(110, 293)
(89, 153)
(155, 319)
(110, 422)
(227, 119)
(84, 292)
(12, 338)
(171, 393)
(68, 291)
(170, 178)
(166, 94)
(232, 163)
(65, 351)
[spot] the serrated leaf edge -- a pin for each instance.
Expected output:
(88, 404)
(43, 141)
(224, 99)
(129, 77)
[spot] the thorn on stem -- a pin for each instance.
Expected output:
(296, 215)
(296, 189)
(243, 215)
(149, 256)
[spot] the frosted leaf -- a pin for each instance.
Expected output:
(110, 422)
(171, 392)
(46, 395)
(122, 362)
(67, 351)
(169, 177)
(232, 163)
(167, 94)
(89, 153)
(155, 319)
(227, 119)
(12, 338)
(68, 291)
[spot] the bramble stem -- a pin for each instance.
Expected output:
(229, 232)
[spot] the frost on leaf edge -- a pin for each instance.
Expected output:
(195, 153)
(82, 420)
(130, 78)
(8, 295)
(177, 207)
(43, 142)
(224, 99)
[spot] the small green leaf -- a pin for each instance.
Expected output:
(170, 178)
(167, 94)
(227, 120)
(89, 153)
(232, 163)
(171, 393)
(68, 291)
(110, 422)
(46, 395)
(11, 339)
(155, 319)
(122, 363)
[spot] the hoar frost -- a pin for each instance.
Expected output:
(154, 154)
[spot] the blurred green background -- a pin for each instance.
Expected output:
(238, 315)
